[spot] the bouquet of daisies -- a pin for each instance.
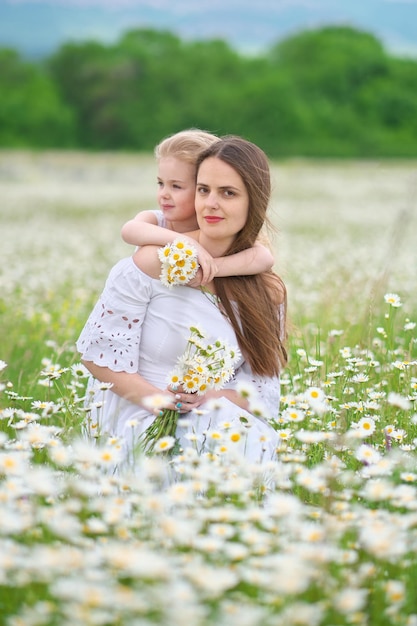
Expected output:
(179, 263)
(203, 366)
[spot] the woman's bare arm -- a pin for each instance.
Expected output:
(132, 387)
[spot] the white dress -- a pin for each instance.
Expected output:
(140, 326)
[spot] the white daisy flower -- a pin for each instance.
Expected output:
(164, 444)
(393, 299)
(293, 415)
(398, 400)
(179, 263)
(366, 426)
(367, 454)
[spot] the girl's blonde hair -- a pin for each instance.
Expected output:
(185, 145)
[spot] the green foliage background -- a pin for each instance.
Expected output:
(332, 92)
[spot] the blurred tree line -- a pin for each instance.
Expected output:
(330, 92)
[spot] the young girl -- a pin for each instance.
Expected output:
(176, 156)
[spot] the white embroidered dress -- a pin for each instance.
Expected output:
(139, 325)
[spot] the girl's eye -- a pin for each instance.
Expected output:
(159, 183)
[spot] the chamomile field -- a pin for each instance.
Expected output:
(334, 540)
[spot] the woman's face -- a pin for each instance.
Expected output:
(222, 201)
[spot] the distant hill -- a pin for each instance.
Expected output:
(37, 27)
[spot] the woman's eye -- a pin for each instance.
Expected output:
(202, 190)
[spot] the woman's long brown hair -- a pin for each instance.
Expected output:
(255, 304)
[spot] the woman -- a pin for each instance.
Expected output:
(139, 327)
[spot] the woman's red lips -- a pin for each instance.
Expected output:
(212, 219)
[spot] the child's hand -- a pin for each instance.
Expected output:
(207, 264)
(197, 281)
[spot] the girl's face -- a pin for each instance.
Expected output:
(222, 201)
(176, 193)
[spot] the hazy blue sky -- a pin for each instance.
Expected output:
(39, 26)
